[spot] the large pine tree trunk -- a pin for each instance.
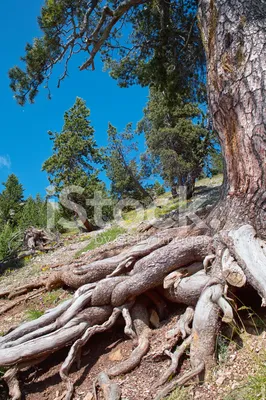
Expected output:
(234, 38)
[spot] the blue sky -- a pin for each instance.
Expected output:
(24, 141)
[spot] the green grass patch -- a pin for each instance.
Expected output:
(222, 347)
(102, 238)
(52, 298)
(33, 314)
(179, 394)
(160, 207)
(213, 181)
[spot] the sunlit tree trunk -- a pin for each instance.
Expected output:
(234, 37)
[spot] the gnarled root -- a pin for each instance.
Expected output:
(203, 338)
(232, 272)
(250, 253)
(179, 381)
(119, 287)
(175, 358)
(206, 324)
(141, 325)
(110, 390)
(188, 289)
(12, 382)
(182, 327)
(175, 277)
(76, 347)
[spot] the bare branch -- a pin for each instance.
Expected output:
(116, 15)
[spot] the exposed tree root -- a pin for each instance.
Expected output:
(110, 390)
(141, 324)
(182, 327)
(166, 267)
(12, 382)
(175, 277)
(179, 381)
(13, 304)
(175, 358)
(250, 253)
(206, 324)
(77, 274)
(232, 272)
(188, 289)
(75, 348)
(181, 330)
(128, 324)
(10, 294)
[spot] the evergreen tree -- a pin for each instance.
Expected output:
(177, 145)
(34, 213)
(75, 155)
(163, 45)
(11, 201)
(121, 166)
(41, 211)
(10, 241)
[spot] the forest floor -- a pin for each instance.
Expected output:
(241, 368)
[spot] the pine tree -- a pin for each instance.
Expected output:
(74, 159)
(34, 213)
(11, 201)
(177, 145)
(121, 166)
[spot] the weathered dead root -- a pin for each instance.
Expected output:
(79, 343)
(10, 294)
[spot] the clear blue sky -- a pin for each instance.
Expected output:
(24, 140)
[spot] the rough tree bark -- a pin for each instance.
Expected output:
(196, 268)
(233, 33)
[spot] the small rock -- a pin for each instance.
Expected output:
(220, 381)
(154, 319)
(116, 355)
